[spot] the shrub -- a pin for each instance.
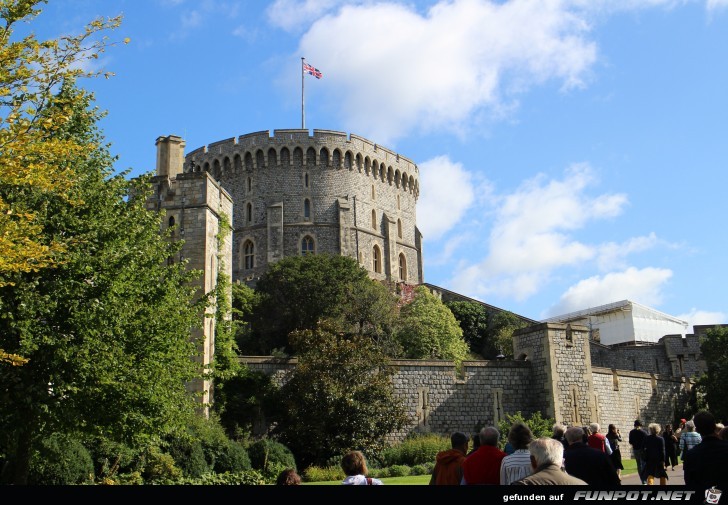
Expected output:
(242, 478)
(160, 467)
(234, 458)
(267, 453)
(422, 469)
(189, 456)
(399, 471)
(61, 460)
(416, 450)
(321, 474)
(112, 459)
(539, 426)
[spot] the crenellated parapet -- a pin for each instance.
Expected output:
(328, 192)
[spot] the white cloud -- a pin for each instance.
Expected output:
(295, 15)
(639, 285)
(612, 255)
(440, 70)
(716, 4)
(697, 317)
(532, 234)
(447, 193)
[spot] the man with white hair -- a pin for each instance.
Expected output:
(547, 454)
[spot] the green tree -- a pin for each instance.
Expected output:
(338, 397)
(105, 329)
(501, 326)
(714, 347)
(540, 426)
(31, 157)
(473, 320)
(428, 330)
(299, 291)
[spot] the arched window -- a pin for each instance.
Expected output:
(374, 219)
(249, 213)
(307, 209)
(377, 259)
(402, 267)
(307, 245)
(248, 255)
(399, 228)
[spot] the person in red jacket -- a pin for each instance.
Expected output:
(448, 469)
(483, 466)
(596, 440)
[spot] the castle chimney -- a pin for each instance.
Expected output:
(170, 155)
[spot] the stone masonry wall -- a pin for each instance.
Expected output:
(437, 399)
(623, 396)
(307, 176)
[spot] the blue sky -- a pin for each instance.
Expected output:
(572, 153)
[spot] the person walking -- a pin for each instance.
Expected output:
(614, 437)
(704, 466)
(517, 465)
(587, 463)
(689, 439)
(596, 440)
(670, 446)
(448, 469)
(547, 454)
(483, 466)
(636, 439)
(654, 453)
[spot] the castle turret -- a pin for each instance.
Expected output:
(170, 155)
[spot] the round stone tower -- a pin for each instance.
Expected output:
(296, 193)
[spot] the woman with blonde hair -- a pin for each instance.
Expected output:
(654, 447)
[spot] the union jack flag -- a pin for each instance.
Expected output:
(312, 70)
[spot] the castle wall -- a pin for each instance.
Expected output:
(437, 398)
(623, 396)
(347, 194)
(673, 355)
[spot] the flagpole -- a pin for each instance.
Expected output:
(303, 113)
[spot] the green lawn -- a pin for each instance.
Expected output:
(630, 466)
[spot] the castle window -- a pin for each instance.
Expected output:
(237, 164)
(248, 161)
(307, 209)
(249, 213)
(324, 157)
(336, 158)
(399, 206)
(311, 157)
(272, 157)
(402, 267)
(226, 166)
(260, 159)
(298, 156)
(399, 228)
(249, 184)
(374, 219)
(171, 223)
(376, 260)
(305, 180)
(285, 157)
(307, 246)
(347, 160)
(374, 193)
(248, 255)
